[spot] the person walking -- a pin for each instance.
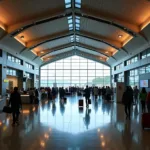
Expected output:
(136, 93)
(16, 104)
(148, 102)
(127, 100)
(95, 92)
(108, 93)
(143, 96)
(31, 95)
(87, 95)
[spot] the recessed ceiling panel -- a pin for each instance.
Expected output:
(14, 11)
(132, 11)
(53, 44)
(96, 44)
(43, 30)
(104, 30)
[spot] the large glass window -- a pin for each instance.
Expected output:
(134, 78)
(75, 71)
(14, 59)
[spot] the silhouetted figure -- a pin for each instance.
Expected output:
(15, 101)
(62, 93)
(36, 93)
(136, 93)
(143, 96)
(127, 100)
(53, 93)
(31, 95)
(87, 95)
(108, 93)
(95, 92)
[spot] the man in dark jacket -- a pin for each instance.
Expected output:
(15, 101)
(87, 95)
(127, 100)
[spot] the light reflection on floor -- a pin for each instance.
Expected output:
(69, 118)
(65, 127)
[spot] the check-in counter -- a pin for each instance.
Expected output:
(25, 99)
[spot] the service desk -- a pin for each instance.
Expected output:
(25, 99)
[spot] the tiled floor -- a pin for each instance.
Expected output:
(65, 127)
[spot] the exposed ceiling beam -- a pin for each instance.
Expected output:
(22, 26)
(50, 40)
(71, 53)
(38, 42)
(126, 27)
(54, 49)
(90, 55)
(108, 40)
(56, 36)
(59, 48)
(80, 45)
(99, 40)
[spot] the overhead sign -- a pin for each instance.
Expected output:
(6, 80)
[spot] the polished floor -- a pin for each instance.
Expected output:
(60, 126)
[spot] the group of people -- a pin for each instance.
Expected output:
(131, 96)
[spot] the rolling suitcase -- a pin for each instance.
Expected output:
(146, 120)
(80, 103)
(7, 109)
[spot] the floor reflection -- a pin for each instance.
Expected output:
(68, 118)
(59, 125)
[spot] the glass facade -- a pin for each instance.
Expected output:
(134, 78)
(132, 60)
(14, 59)
(29, 66)
(120, 66)
(11, 72)
(145, 53)
(75, 71)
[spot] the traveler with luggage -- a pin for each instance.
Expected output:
(15, 101)
(143, 96)
(87, 95)
(127, 100)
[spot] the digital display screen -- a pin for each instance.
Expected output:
(143, 83)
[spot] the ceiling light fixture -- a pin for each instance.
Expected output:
(120, 36)
(22, 37)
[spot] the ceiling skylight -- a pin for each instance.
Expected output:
(70, 23)
(77, 23)
(68, 3)
(78, 3)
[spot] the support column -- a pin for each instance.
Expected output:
(4, 75)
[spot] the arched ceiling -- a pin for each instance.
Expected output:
(105, 30)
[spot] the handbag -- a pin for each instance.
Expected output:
(7, 109)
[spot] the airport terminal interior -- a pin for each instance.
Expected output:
(81, 68)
